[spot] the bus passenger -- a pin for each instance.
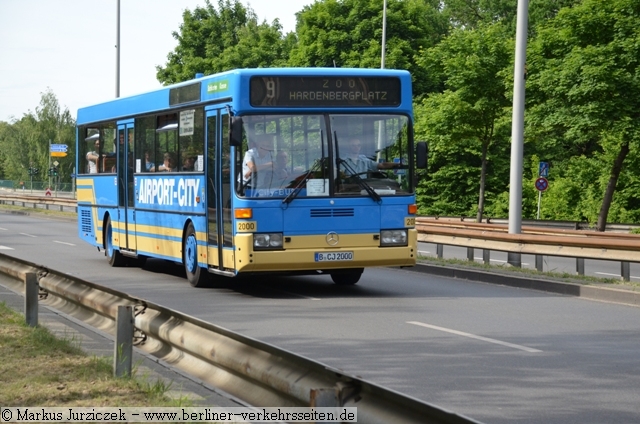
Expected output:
(355, 163)
(189, 163)
(148, 165)
(92, 158)
(280, 170)
(169, 164)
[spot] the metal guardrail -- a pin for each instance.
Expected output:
(30, 185)
(622, 247)
(61, 203)
(540, 238)
(258, 373)
(67, 200)
(567, 225)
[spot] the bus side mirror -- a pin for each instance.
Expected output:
(421, 155)
(235, 131)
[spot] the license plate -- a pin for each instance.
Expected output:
(333, 256)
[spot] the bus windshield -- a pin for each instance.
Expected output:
(295, 156)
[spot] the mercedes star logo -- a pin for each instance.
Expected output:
(332, 238)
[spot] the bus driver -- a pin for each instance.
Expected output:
(355, 163)
(258, 159)
(92, 158)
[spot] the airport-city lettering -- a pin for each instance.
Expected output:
(168, 191)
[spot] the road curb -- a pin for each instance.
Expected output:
(604, 294)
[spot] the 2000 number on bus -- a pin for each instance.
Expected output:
(334, 256)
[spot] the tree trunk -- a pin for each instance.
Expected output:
(483, 177)
(611, 186)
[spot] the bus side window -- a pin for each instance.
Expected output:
(166, 141)
(191, 140)
(91, 151)
(145, 128)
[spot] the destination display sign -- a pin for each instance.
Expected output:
(344, 91)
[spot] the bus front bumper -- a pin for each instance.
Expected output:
(310, 253)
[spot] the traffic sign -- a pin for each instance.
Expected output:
(543, 169)
(542, 184)
(58, 148)
(59, 154)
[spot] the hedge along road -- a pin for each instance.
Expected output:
(493, 353)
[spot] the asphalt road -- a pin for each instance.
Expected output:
(493, 353)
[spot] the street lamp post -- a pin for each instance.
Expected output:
(118, 50)
(517, 129)
(384, 32)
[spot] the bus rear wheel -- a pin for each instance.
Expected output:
(114, 256)
(347, 277)
(197, 276)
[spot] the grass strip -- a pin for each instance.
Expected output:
(40, 369)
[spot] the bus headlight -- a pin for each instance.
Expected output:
(393, 238)
(267, 241)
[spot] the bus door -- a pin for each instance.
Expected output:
(221, 251)
(126, 189)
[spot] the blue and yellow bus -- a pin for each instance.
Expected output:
(275, 170)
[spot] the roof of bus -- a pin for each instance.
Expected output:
(158, 99)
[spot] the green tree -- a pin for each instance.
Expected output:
(467, 125)
(577, 184)
(25, 142)
(584, 87)
(3, 128)
(348, 33)
(214, 40)
(469, 14)
(19, 143)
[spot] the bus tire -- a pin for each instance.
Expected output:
(347, 277)
(114, 256)
(140, 261)
(197, 276)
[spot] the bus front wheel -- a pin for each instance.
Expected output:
(196, 275)
(114, 256)
(347, 277)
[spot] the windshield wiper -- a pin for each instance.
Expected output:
(362, 183)
(303, 181)
(318, 165)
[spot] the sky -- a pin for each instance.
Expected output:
(68, 47)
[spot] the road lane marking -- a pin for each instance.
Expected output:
(473, 336)
(297, 295)
(62, 242)
(6, 248)
(28, 235)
